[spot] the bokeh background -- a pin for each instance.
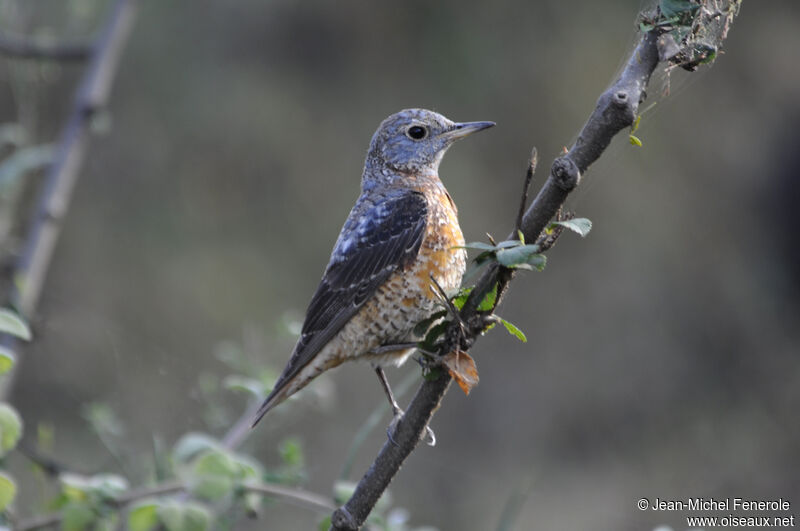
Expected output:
(664, 349)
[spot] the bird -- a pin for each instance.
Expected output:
(400, 237)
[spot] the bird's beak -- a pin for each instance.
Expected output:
(467, 128)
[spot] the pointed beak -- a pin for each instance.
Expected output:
(467, 128)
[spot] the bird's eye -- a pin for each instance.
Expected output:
(416, 132)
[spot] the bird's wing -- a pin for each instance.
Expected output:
(373, 244)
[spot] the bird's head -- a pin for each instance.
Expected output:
(413, 141)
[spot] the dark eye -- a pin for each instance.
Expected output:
(417, 132)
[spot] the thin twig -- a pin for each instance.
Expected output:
(300, 497)
(241, 429)
(23, 48)
(523, 204)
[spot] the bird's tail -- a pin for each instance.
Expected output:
(291, 381)
(278, 395)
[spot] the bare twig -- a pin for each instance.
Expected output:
(523, 204)
(300, 497)
(241, 429)
(91, 96)
(615, 110)
(22, 48)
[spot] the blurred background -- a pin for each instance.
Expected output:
(664, 349)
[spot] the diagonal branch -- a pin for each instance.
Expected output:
(53, 202)
(616, 109)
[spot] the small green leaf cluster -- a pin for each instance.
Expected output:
(212, 473)
(514, 254)
(89, 502)
(198, 484)
(170, 515)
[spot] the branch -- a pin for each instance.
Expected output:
(300, 497)
(53, 202)
(616, 109)
(21, 48)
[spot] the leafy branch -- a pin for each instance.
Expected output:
(616, 109)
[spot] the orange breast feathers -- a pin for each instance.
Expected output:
(440, 254)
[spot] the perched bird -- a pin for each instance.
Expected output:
(402, 231)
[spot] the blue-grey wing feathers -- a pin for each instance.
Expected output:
(375, 242)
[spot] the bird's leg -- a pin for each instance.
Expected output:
(397, 412)
(388, 390)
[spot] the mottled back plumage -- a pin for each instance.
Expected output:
(402, 230)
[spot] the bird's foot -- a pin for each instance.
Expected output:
(429, 437)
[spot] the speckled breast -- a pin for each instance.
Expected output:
(408, 297)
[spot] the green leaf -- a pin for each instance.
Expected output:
(477, 245)
(7, 360)
(423, 325)
(505, 244)
(520, 256)
(213, 475)
(108, 486)
(8, 490)
(513, 330)
(325, 524)
(459, 300)
(77, 487)
(634, 140)
(488, 302)
(10, 428)
(580, 225)
(636, 123)
(235, 382)
(11, 323)
(483, 257)
(252, 503)
(188, 516)
(143, 516)
(536, 262)
(76, 516)
(434, 333)
(291, 452)
(171, 515)
(107, 523)
(192, 444)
